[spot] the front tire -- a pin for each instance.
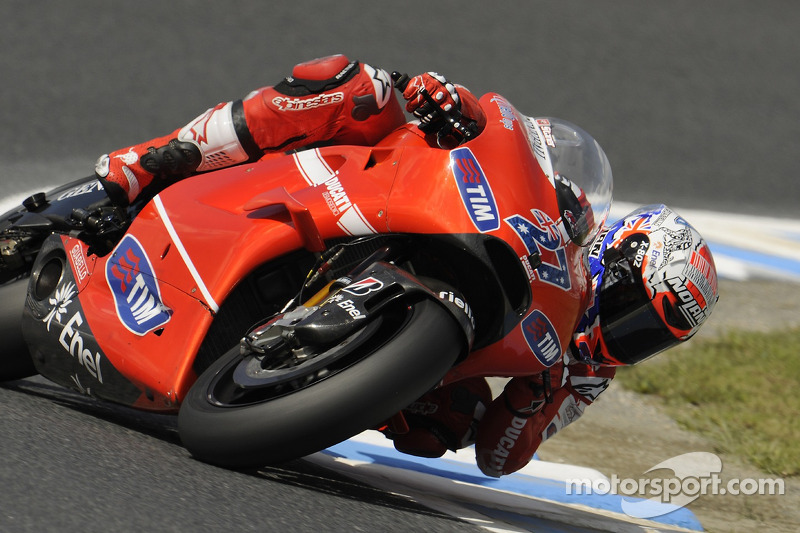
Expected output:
(221, 424)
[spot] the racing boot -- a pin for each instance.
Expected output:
(126, 172)
(328, 100)
(216, 139)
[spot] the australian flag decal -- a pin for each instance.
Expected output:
(136, 292)
(476, 194)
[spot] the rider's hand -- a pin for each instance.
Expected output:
(525, 396)
(442, 91)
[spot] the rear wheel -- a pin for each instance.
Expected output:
(248, 410)
(15, 359)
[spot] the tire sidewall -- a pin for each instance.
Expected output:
(15, 358)
(334, 409)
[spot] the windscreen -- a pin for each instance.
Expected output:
(578, 168)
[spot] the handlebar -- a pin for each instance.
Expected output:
(454, 122)
(99, 227)
(400, 80)
(98, 218)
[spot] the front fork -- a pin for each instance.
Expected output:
(364, 294)
(346, 305)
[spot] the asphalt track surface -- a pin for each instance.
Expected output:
(695, 103)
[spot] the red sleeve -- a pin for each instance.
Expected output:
(331, 99)
(587, 382)
(506, 441)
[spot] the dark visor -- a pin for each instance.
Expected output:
(631, 328)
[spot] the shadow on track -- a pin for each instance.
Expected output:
(298, 473)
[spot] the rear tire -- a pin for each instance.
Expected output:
(15, 359)
(220, 424)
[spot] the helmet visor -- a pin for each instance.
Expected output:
(632, 329)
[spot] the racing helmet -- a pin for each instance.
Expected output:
(656, 284)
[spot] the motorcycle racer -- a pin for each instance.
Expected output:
(330, 100)
(654, 284)
(653, 279)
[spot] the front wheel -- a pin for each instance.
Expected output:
(247, 411)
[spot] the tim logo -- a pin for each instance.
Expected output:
(541, 338)
(364, 286)
(476, 194)
(136, 293)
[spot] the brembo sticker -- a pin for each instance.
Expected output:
(137, 295)
(476, 194)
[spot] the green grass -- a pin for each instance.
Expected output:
(742, 391)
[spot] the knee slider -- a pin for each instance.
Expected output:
(318, 76)
(324, 68)
(177, 159)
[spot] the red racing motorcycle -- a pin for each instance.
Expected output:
(282, 306)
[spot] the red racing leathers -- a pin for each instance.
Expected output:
(335, 100)
(527, 413)
(329, 100)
